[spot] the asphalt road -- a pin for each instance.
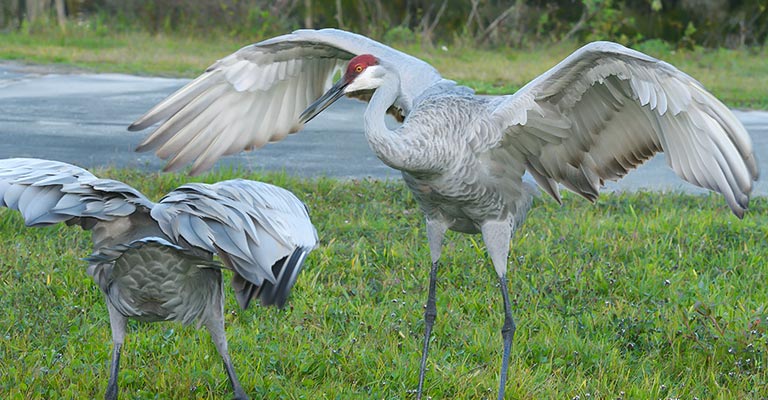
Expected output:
(82, 119)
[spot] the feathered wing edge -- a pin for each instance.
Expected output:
(260, 231)
(606, 109)
(255, 95)
(48, 192)
(255, 228)
(243, 101)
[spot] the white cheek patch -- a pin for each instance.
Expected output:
(368, 79)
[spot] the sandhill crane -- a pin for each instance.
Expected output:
(154, 261)
(595, 116)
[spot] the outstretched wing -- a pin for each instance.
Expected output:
(606, 109)
(47, 192)
(254, 227)
(256, 95)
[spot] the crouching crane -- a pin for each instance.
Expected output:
(154, 261)
(593, 117)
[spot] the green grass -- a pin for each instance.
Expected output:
(639, 296)
(737, 77)
(133, 53)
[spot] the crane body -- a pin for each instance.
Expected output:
(595, 116)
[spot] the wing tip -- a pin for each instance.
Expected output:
(136, 126)
(146, 120)
(738, 210)
(143, 147)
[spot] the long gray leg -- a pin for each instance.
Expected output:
(117, 322)
(430, 313)
(507, 333)
(435, 233)
(496, 236)
(215, 325)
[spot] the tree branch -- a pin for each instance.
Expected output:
(496, 22)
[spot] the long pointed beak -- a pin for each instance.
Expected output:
(334, 93)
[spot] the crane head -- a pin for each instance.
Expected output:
(361, 74)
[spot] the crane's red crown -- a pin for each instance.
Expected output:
(358, 64)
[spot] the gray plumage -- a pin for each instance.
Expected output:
(595, 116)
(154, 261)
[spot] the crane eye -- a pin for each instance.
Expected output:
(358, 68)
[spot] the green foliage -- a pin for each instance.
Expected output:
(235, 18)
(483, 22)
(400, 35)
(654, 47)
(608, 20)
(638, 296)
(737, 77)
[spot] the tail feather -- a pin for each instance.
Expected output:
(286, 271)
